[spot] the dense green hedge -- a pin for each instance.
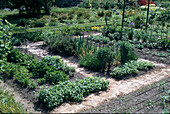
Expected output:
(70, 91)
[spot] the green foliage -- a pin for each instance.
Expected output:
(41, 80)
(52, 69)
(5, 44)
(99, 38)
(163, 43)
(108, 13)
(23, 59)
(127, 52)
(39, 23)
(8, 103)
(132, 67)
(90, 62)
(55, 76)
(19, 73)
(59, 43)
(70, 91)
(23, 22)
(105, 56)
(100, 13)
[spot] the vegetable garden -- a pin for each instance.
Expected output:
(67, 55)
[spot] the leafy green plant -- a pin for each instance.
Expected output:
(132, 67)
(90, 62)
(70, 91)
(127, 52)
(5, 44)
(106, 57)
(39, 23)
(23, 22)
(19, 73)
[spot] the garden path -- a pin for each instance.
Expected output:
(116, 88)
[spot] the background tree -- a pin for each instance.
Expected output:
(31, 6)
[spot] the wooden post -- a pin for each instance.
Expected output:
(123, 13)
(147, 19)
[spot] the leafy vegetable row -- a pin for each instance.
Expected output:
(132, 67)
(70, 91)
(51, 69)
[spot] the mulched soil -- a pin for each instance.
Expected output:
(149, 56)
(145, 100)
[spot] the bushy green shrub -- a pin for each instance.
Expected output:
(106, 57)
(23, 22)
(41, 80)
(59, 43)
(23, 59)
(27, 36)
(55, 76)
(90, 62)
(19, 73)
(39, 23)
(108, 13)
(132, 67)
(100, 13)
(70, 91)
(127, 52)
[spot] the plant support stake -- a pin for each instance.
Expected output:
(147, 19)
(123, 13)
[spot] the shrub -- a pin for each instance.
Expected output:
(62, 16)
(127, 52)
(31, 36)
(39, 23)
(53, 24)
(108, 13)
(59, 43)
(19, 73)
(90, 62)
(41, 80)
(70, 91)
(105, 56)
(92, 19)
(55, 76)
(23, 22)
(100, 13)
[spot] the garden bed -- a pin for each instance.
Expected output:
(116, 88)
(144, 100)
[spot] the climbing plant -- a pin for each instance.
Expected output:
(5, 45)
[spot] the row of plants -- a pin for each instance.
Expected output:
(132, 67)
(20, 74)
(50, 69)
(105, 4)
(70, 91)
(8, 103)
(99, 38)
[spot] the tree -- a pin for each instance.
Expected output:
(31, 6)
